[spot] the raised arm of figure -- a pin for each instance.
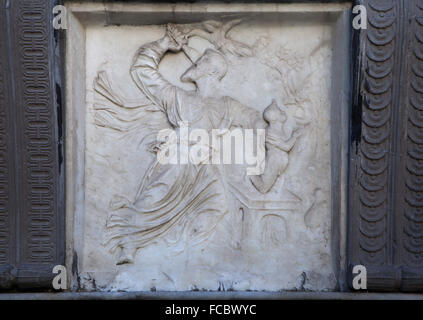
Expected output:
(145, 70)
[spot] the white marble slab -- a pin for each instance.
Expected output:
(207, 227)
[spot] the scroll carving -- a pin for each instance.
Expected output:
(376, 136)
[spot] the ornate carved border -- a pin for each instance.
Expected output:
(32, 178)
(6, 191)
(385, 201)
(386, 156)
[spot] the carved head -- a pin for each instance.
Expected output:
(274, 114)
(211, 64)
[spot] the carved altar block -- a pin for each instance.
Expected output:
(136, 223)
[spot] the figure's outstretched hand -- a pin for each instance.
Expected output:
(176, 38)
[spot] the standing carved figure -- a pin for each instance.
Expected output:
(187, 198)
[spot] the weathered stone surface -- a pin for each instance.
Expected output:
(206, 226)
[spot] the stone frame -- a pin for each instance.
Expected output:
(21, 265)
(80, 16)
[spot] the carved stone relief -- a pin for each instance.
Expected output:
(208, 226)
